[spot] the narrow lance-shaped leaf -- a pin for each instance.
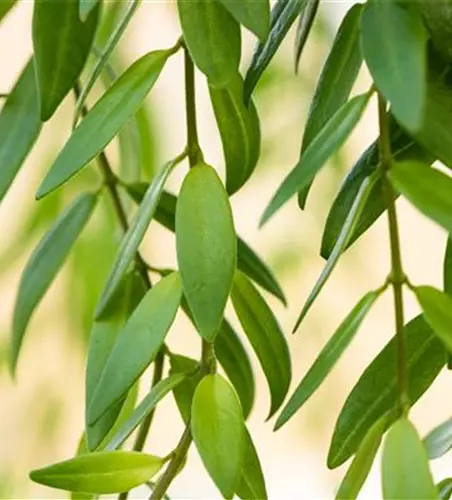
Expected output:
(375, 393)
(62, 42)
(428, 189)
(305, 23)
(100, 473)
(213, 38)
(128, 248)
(336, 81)
(254, 15)
(394, 48)
(137, 345)
(206, 247)
(439, 441)
(105, 119)
(217, 417)
(265, 336)
(283, 15)
(327, 142)
(405, 469)
(328, 357)
(44, 264)
(20, 125)
(85, 7)
(341, 243)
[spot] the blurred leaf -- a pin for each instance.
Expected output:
(105, 119)
(445, 488)
(19, 126)
(213, 39)
(394, 48)
(148, 326)
(239, 129)
(253, 15)
(328, 357)
(327, 142)
(5, 7)
(439, 441)
(85, 7)
(206, 247)
(218, 430)
(405, 469)
(375, 393)
(44, 264)
(183, 393)
(266, 337)
(305, 23)
(100, 473)
(252, 482)
(62, 43)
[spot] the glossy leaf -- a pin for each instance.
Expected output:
(252, 482)
(85, 7)
(128, 248)
(5, 7)
(239, 129)
(217, 419)
(213, 38)
(341, 243)
(206, 247)
(44, 264)
(100, 473)
(20, 125)
(62, 42)
(305, 23)
(445, 488)
(183, 393)
(327, 142)
(428, 189)
(437, 308)
(405, 470)
(328, 357)
(394, 48)
(375, 393)
(148, 326)
(362, 462)
(283, 15)
(253, 15)
(105, 119)
(336, 81)
(439, 441)
(265, 336)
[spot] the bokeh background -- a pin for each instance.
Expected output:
(41, 412)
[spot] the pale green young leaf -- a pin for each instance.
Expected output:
(252, 482)
(85, 7)
(105, 119)
(100, 473)
(445, 489)
(328, 357)
(218, 430)
(305, 22)
(405, 470)
(206, 247)
(439, 441)
(61, 42)
(44, 264)
(265, 335)
(254, 15)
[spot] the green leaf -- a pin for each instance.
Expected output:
(148, 326)
(341, 243)
(447, 268)
(362, 462)
(445, 488)
(405, 470)
(105, 119)
(20, 125)
(336, 81)
(183, 393)
(283, 15)
(213, 38)
(218, 431)
(206, 247)
(85, 7)
(437, 309)
(428, 189)
(128, 248)
(328, 357)
(158, 392)
(239, 129)
(394, 48)
(375, 393)
(5, 7)
(62, 42)
(253, 15)
(439, 441)
(252, 482)
(100, 473)
(327, 142)
(307, 18)
(44, 264)
(265, 336)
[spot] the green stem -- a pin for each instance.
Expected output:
(397, 277)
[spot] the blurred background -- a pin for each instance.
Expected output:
(41, 412)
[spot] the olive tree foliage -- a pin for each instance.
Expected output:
(407, 49)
